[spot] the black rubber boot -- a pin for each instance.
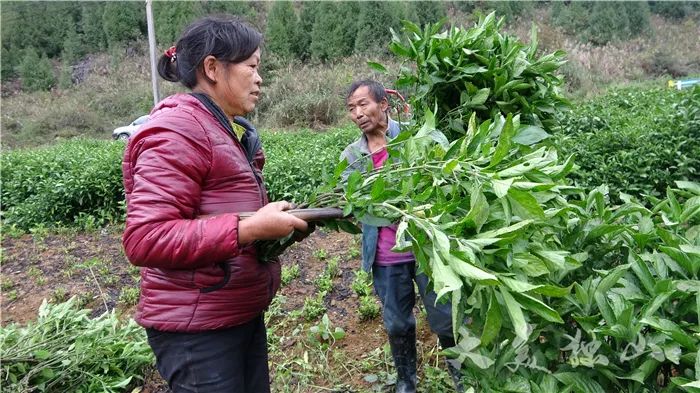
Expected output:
(403, 349)
(453, 366)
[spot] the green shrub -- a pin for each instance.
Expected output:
(36, 72)
(297, 161)
(63, 184)
(635, 140)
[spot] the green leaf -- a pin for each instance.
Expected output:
(516, 314)
(500, 187)
(530, 135)
(377, 67)
(671, 329)
(524, 204)
(580, 383)
(538, 307)
(480, 97)
(688, 185)
(467, 270)
(504, 142)
(479, 210)
(492, 325)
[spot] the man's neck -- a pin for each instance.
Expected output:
(376, 139)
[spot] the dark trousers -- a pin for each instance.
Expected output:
(394, 286)
(220, 361)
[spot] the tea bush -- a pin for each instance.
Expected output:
(636, 140)
(79, 182)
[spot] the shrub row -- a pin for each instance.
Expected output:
(79, 182)
(636, 140)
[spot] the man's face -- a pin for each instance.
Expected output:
(367, 113)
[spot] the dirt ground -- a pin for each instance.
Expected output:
(93, 267)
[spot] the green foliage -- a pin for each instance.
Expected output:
(66, 350)
(129, 296)
(565, 292)
(296, 162)
(36, 72)
(72, 183)
(510, 9)
(478, 70)
(281, 34)
(635, 140)
(334, 30)
(170, 19)
(123, 22)
(602, 22)
(362, 284)
(426, 12)
(325, 333)
(674, 9)
(313, 306)
(373, 23)
(289, 273)
(369, 309)
(94, 37)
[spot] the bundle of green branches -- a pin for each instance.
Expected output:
(563, 291)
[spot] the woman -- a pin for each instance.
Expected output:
(188, 173)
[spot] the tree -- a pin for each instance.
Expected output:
(281, 33)
(334, 30)
(36, 72)
(92, 26)
(171, 18)
(122, 22)
(373, 23)
(428, 11)
(307, 18)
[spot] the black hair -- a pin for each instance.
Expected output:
(376, 89)
(225, 37)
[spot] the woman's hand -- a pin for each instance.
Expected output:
(270, 222)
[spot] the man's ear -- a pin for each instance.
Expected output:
(384, 105)
(210, 66)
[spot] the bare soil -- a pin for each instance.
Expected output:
(93, 267)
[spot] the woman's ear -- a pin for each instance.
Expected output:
(211, 69)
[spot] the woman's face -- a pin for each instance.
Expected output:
(239, 89)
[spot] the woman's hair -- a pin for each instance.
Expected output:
(227, 38)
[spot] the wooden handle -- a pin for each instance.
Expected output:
(309, 215)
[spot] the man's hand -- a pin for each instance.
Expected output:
(270, 222)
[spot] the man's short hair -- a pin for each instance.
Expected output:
(376, 89)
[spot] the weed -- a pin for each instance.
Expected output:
(362, 284)
(333, 267)
(324, 283)
(321, 254)
(11, 296)
(369, 309)
(129, 296)
(59, 295)
(6, 284)
(314, 307)
(324, 333)
(37, 275)
(289, 273)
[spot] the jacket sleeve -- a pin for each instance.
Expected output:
(165, 170)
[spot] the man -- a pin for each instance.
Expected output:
(393, 273)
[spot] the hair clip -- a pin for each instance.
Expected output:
(170, 53)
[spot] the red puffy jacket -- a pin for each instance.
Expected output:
(182, 165)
